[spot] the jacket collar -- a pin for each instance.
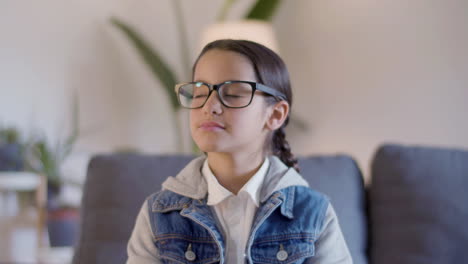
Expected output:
(190, 183)
(217, 193)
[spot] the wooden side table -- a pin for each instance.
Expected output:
(16, 181)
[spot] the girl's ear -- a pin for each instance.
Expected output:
(277, 115)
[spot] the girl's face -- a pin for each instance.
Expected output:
(242, 129)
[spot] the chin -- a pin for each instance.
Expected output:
(207, 142)
(209, 147)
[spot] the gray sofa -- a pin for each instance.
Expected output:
(414, 211)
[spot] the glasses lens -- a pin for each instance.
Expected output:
(236, 94)
(193, 95)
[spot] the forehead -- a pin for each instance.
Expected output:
(216, 66)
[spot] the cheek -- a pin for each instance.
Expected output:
(193, 119)
(248, 124)
(257, 115)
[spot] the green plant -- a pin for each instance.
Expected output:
(9, 135)
(263, 10)
(11, 149)
(47, 159)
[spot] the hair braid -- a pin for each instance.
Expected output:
(282, 149)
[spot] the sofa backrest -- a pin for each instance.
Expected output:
(341, 180)
(419, 205)
(116, 186)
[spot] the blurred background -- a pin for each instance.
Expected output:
(363, 73)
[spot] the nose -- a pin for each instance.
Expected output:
(213, 104)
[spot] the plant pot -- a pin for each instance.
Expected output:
(53, 197)
(63, 227)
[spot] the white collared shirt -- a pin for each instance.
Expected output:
(235, 212)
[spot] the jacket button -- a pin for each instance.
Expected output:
(282, 255)
(189, 254)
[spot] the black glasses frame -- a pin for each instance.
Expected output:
(215, 87)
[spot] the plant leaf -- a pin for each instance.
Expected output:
(263, 10)
(224, 10)
(48, 161)
(183, 42)
(158, 66)
(67, 147)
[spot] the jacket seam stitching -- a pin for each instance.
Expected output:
(282, 237)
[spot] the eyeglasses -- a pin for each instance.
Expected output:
(232, 94)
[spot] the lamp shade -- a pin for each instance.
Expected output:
(254, 30)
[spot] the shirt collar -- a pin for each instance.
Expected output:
(217, 193)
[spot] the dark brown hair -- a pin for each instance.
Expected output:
(271, 71)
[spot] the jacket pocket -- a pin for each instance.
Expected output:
(282, 249)
(175, 248)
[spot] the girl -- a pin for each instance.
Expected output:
(244, 202)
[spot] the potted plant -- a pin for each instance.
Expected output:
(12, 150)
(46, 159)
(11, 158)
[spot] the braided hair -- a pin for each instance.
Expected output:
(270, 70)
(282, 149)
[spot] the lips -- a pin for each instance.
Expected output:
(211, 125)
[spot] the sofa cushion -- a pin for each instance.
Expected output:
(419, 205)
(117, 185)
(341, 180)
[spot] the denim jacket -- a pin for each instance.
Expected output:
(294, 224)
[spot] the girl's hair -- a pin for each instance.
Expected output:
(271, 71)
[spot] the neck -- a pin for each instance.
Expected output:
(234, 170)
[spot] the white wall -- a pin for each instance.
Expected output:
(368, 72)
(363, 72)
